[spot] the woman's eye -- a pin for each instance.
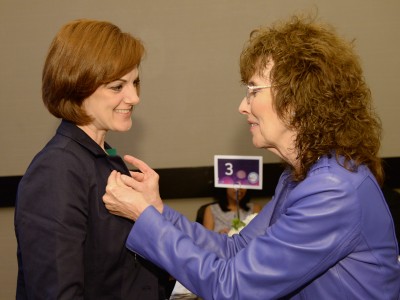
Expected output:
(253, 92)
(136, 82)
(117, 88)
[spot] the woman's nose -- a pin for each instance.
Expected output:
(132, 96)
(244, 106)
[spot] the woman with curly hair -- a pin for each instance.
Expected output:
(327, 233)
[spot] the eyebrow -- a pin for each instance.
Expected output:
(125, 80)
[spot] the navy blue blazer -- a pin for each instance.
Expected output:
(69, 245)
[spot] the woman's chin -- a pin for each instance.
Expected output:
(257, 143)
(122, 128)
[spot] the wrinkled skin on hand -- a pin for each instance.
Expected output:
(129, 196)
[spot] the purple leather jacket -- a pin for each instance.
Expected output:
(330, 236)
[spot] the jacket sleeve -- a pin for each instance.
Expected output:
(204, 238)
(319, 226)
(50, 223)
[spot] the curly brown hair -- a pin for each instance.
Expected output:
(319, 91)
(84, 55)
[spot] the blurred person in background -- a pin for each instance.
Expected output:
(221, 215)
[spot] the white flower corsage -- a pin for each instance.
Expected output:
(238, 225)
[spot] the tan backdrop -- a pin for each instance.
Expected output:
(190, 78)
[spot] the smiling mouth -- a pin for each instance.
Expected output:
(253, 124)
(123, 111)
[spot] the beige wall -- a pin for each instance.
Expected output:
(190, 78)
(8, 256)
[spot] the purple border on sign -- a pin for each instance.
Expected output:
(235, 171)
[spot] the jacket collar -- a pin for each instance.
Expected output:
(322, 162)
(73, 132)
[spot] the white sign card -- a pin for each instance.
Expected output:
(234, 171)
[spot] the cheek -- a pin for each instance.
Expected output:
(260, 108)
(265, 115)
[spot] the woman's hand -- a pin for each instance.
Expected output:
(129, 196)
(122, 200)
(145, 182)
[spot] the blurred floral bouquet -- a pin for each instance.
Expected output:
(238, 224)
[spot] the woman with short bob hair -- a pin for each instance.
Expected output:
(83, 56)
(69, 245)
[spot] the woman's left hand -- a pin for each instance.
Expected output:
(145, 182)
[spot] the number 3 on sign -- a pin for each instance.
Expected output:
(229, 169)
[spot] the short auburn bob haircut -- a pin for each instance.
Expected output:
(319, 91)
(84, 55)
